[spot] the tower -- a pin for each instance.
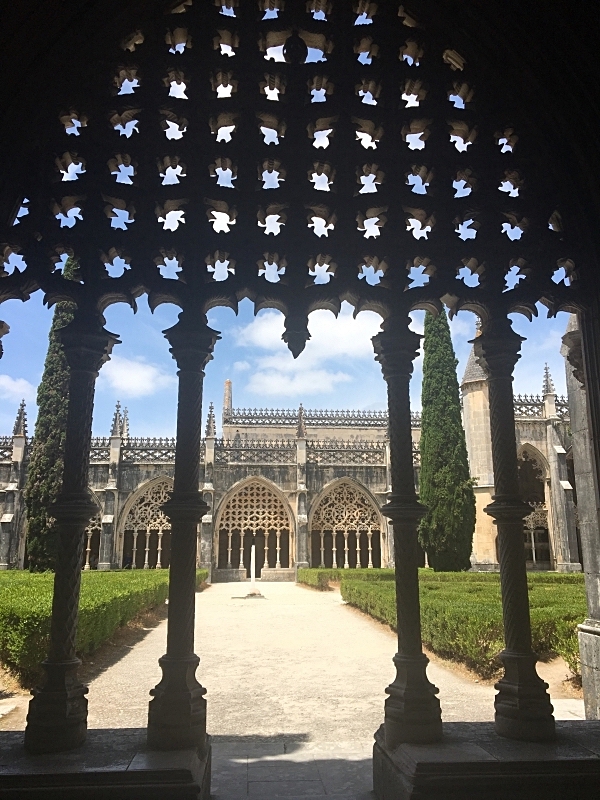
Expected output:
(476, 422)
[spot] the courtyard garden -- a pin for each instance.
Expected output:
(109, 600)
(461, 613)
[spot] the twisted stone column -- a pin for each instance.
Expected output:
(57, 717)
(177, 712)
(412, 710)
(523, 708)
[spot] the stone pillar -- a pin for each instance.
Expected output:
(412, 710)
(523, 708)
(107, 532)
(588, 505)
(302, 534)
(563, 534)
(57, 718)
(177, 712)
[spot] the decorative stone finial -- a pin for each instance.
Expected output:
(227, 401)
(548, 382)
(20, 428)
(210, 422)
(117, 421)
(301, 430)
(125, 424)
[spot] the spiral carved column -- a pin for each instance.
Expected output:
(177, 712)
(523, 708)
(57, 718)
(412, 709)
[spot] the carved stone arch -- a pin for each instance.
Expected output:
(345, 526)
(254, 511)
(531, 451)
(533, 474)
(144, 530)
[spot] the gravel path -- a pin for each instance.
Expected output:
(299, 662)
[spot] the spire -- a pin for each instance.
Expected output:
(227, 401)
(20, 428)
(548, 387)
(125, 424)
(301, 430)
(473, 372)
(116, 422)
(210, 422)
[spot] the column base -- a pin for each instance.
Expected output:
(568, 566)
(589, 647)
(412, 710)
(177, 712)
(523, 707)
(57, 718)
(472, 763)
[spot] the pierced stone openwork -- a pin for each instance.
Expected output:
(346, 529)
(254, 515)
(148, 530)
(210, 134)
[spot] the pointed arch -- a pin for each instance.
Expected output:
(254, 511)
(144, 529)
(345, 526)
(531, 451)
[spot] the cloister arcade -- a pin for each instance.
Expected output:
(345, 528)
(440, 140)
(254, 513)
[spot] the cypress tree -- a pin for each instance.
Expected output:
(446, 488)
(44, 478)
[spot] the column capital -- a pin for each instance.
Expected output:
(86, 343)
(497, 348)
(192, 342)
(396, 347)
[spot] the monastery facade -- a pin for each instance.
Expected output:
(305, 486)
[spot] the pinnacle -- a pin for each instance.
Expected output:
(117, 421)
(548, 387)
(20, 428)
(210, 422)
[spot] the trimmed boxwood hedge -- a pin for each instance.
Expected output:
(108, 600)
(463, 620)
(461, 612)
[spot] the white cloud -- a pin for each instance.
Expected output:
(134, 378)
(241, 366)
(302, 382)
(16, 389)
(343, 341)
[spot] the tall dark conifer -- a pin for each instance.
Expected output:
(446, 488)
(44, 478)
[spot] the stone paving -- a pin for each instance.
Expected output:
(295, 689)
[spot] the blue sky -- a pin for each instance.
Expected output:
(336, 370)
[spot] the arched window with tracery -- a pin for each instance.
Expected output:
(535, 525)
(254, 515)
(147, 530)
(346, 529)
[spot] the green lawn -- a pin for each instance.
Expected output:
(461, 614)
(108, 600)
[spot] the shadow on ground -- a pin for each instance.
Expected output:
(270, 767)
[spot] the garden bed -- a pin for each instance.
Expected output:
(461, 612)
(108, 600)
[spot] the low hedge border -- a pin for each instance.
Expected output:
(463, 620)
(319, 578)
(108, 601)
